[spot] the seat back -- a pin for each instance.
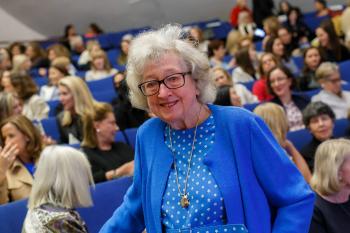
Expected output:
(12, 216)
(299, 138)
(50, 126)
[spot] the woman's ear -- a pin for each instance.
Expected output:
(96, 124)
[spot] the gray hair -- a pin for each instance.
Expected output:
(151, 46)
(325, 70)
(62, 178)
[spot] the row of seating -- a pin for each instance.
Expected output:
(106, 197)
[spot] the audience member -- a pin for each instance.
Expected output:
(331, 183)
(321, 8)
(280, 82)
(275, 117)
(69, 32)
(244, 71)
(291, 46)
(237, 93)
(100, 67)
(239, 8)
(91, 47)
(328, 76)
(61, 184)
(34, 107)
(77, 45)
(124, 49)
(232, 42)
(16, 48)
(9, 106)
(284, 7)
(312, 60)
(216, 53)
(126, 115)
(78, 109)
(37, 55)
(20, 151)
(57, 71)
(6, 84)
(345, 25)
(301, 33)
(319, 119)
(57, 50)
(275, 46)
(267, 62)
(271, 26)
(21, 63)
(93, 31)
(330, 44)
(5, 60)
(109, 159)
(262, 9)
(196, 34)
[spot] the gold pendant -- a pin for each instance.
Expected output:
(184, 201)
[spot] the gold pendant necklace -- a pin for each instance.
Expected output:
(184, 201)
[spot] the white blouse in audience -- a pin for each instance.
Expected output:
(339, 104)
(35, 108)
(92, 75)
(246, 96)
(240, 76)
(49, 93)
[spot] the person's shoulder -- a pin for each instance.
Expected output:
(231, 113)
(150, 126)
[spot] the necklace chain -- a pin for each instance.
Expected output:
(184, 197)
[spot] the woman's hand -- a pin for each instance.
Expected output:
(47, 140)
(8, 154)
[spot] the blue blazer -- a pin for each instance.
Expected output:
(260, 185)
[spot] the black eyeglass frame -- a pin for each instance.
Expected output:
(183, 74)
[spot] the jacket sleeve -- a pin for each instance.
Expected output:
(285, 188)
(4, 194)
(128, 218)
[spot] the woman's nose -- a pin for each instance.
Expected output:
(163, 90)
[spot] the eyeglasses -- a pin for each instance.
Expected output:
(173, 81)
(278, 80)
(334, 81)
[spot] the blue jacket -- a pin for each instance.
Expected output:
(260, 186)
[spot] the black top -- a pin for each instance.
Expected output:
(75, 128)
(330, 217)
(330, 56)
(299, 100)
(104, 161)
(308, 152)
(308, 81)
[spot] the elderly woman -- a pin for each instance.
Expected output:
(21, 148)
(327, 74)
(62, 183)
(201, 167)
(280, 82)
(331, 182)
(275, 117)
(109, 159)
(319, 119)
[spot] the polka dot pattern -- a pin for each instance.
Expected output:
(231, 228)
(206, 202)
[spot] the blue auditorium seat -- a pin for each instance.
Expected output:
(112, 56)
(299, 138)
(41, 81)
(104, 96)
(131, 135)
(344, 69)
(299, 62)
(340, 128)
(106, 197)
(106, 85)
(50, 126)
(251, 107)
(249, 85)
(53, 105)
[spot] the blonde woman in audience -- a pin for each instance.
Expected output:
(61, 184)
(78, 109)
(57, 71)
(109, 159)
(37, 55)
(91, 47)
(331, 182)
(275, 117)
(100, 67)
(34, 107)
(20, 150)
(267, 62)
(201, 43)
(328, 76)
(57, 51)
(233, 41)
(271, 25)
(237, 90)
(124, 49)
(280, 82)
(21, 63)
(9, 105)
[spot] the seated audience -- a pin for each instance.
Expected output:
(216, 53)
(301, 33)
(275, 46)
(319, 119)
(329, 43)
(91, 47)
(78, 109)
(109, 159)
(312, 60)
(321, 8)
(124, 49)
(284, 7)
(21, 63)
(239, 8)
(19, 153)
(61, 184)
(267, 62)
(9, 105)
(275, 117)
(57, 51)
(271, 26)
(244, 71)
(196, 34)
(328, 76)
(237, 93)
(69, 32)
(291, 46)
(232, 42)
(34, 107)
(331, 183)
(5, 60)
(93, 31)
(16, 48)
(345, 26)
(126, 115)
(6, 85)
(37, 55)
(100, 67)
(280, 82)
(57, 71)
